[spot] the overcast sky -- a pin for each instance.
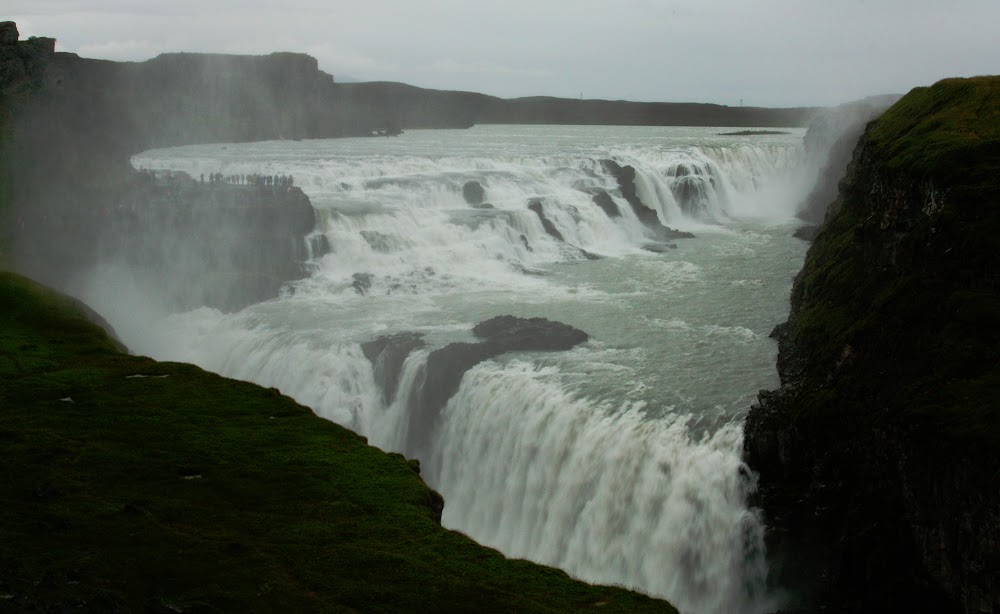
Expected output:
(767, 52)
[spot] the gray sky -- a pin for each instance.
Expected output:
(767, 52)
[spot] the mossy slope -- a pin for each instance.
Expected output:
(878, 454)
(899, 300)
(184, 489)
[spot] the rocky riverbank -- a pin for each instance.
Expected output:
(877, 456)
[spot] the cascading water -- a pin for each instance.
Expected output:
(619, 460)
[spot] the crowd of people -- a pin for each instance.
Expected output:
(253, 179)
(281, 181)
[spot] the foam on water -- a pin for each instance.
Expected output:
(618, 461)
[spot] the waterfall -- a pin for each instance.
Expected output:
(598, 489)
(618, 461)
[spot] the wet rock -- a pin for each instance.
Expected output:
(806, 233)
(483, 206)
(625, 176)
(522, 334)
(8, 33)
(473, 193)
(387, 355)
(603, 200)
(446, 366)
(659, 248)
(362, 282)
(550, 228)
(319, 245)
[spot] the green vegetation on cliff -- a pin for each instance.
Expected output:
(131, 485)
(948, 131)
(899, 301)
(877, 456)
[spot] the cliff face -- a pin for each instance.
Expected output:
(877, 456)
(71, 200)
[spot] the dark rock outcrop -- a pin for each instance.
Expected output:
(603, 200)
(550, 228)
(446, 366)
(74, 200)
(877, 456)
(625, 176)
(473, 193)
(387, 355)
(220, 245)
(531, 334)
(8, 33)
(362, 282)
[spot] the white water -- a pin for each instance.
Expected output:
(618, 461)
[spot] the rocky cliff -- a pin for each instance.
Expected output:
(877, 456)
(64, 156)
(71, 200)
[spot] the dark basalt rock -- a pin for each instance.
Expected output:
(806, 233)
(220, 245)
(319, 245)
(362, 282)
(483, 206)
(659, 248)
(522, 334)
(625, 176)
(8, 33)
(473, 193)
(387, 355)
(550, 228)
(447, 365)
(877, 456)
(603, 200)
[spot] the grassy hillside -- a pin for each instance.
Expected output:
(129, 485)
(899, 300)
(948, 131)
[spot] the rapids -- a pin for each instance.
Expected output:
(619, 460)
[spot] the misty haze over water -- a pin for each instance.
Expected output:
(618, 461)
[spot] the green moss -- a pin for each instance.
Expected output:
(897, 313)
(949, 131)
(213, 495)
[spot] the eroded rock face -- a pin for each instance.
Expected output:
(8, 33)
(446, 366)
(625, 176)
(473, 193)
(205, 244)
(520, 334)
(875, 457)
(387, 355)
(550, 228)
(603, 200)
